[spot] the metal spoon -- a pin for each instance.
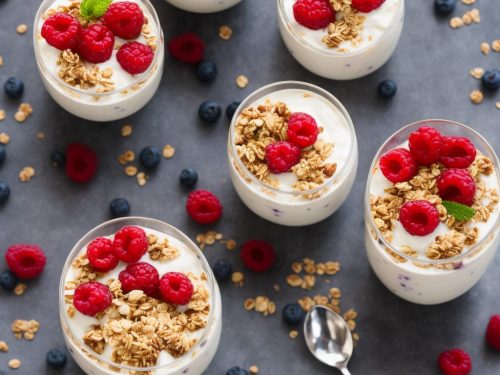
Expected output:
(328, 337)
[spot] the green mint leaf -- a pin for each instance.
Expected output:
(92, 9)
(459, 211)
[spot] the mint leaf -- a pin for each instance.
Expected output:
(459, 211)
(92, 9)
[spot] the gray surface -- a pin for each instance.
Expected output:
(431, 67)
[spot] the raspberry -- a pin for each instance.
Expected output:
(135, 57)
(96, 43)
(398, 165)
(92, 298)
(457, 152)
(493, 332)
(124, 19)
(425, 145)
(419, 218)
(313, 14)
(281, 156)
(61, 31)
(81, 163)
(455, 362)
(176, 288)
(257, 255)
(130, 244)
(101, 255)
(456, 185)
(302, 129)
(140, 276)
(25, 261)
(366, 6)
(187, 47)
(203, 207)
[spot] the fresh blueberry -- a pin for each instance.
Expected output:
(14, 88)
(58, 157)
(207, 71)
(292, 314)
(237, 371)
(222, 270)
(56, 358)
(231, 110)
(150, 157)
(387, 89)
(3, 154)
(4, 192)
(209, 111)
(119, 207)
(8, 280)
(444, 7)
(491, 80)
(188, 177)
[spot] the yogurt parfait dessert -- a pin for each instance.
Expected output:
(432, 212)
(138, 297)
(100, 60)
(292, 153)
(341, 39)
(203, 6)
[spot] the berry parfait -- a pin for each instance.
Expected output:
(431, 211)
(341, 39)
(203, 6)
(292, 153)
(138, 296)
(101, 60)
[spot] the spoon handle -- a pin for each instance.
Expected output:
(344, 371)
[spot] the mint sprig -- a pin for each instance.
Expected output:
(92, 9)
(459, 211)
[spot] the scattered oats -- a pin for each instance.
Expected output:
(237, 278)
(141, 178)
(335, 293)
(456, 22)
(22, 28)
(107, 73)
(126, 130)
(225, 32)
(131, 170)
(20, 116)
(4, 347)
(231, 244)
(476, 17)
(241, 81)
(26, 174)
(253, 370)
(355, 336)
(126, 157)
(276, 287)
(1, 61)
(468, 2)
(22, 327)
(168, 151)
(249, 304)
(351, 324)
(293, 334)
(476, 97)
(20, 289)
(485, 48)
(497, 104)
(2, 114)
(477, 73)
(40, 135)
(495, 45)
(4, 138)
(26, 108)
(14, 363)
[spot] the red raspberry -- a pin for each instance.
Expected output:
(130, 244)
(81, 163)
(140, 276)
(419, 218)
(187, 47)
(257, 255)
(92, 298)
(455, 362)
(203, 207)
(425, 145)
(101, 255)
(61, 31)
(281, 156)
(25, 261)
(457, 152)
(398, 165)
(493, 332)
(124, 19)
(313, 14)
(135, 57)
(456, 185)
(366, 6)
(96, 43)
(176, 288)
(302, 129)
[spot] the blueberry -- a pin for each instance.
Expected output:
(444, 7)
(119, 207)
(58, 157)
(222, 270)
(14, 88)
(206, 71)
(150, 157)
(292, 314)
(188, 177)
(209, 111)
(491, 80)
(8, 280)
(231, 110)
(4, 192)
(237, 371)
(56, 358)
(387, 89)
(3, 154)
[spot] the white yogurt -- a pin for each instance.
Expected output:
(379, 37)
(203, 6)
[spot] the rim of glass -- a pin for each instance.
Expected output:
(373, 165)
(159, 51)
(283, 15)
(152, 224)
(298, 85)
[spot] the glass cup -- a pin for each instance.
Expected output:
(203, 6)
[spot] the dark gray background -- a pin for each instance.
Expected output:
(431, 67)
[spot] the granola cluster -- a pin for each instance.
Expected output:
(347, 26)
(161, 251)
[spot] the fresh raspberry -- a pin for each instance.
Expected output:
(398, 165)
(257, 255)
(419, 218)
(135, 57)
(203, 207)
(96, 43)
(455, 362)
(456, 185)
(176, 288)
(140, 276)
(493, 332)
(130, 244)
(124, 19)
(302, 129)
(313, 14)
(187, 47)
(425, 145)
(457, 152)
(101, 255)
(61, 31)
(25, 261)
(281, 156)
(366, 6)
(92, 298)
(81, 163)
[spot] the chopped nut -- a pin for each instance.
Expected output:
(477, 73)
(225, 32)
(4, 347)
(26, 174)
(241, 81)
(126, 130)
(485, 48)
(22, 28)
(14, 363)
(20, 289)
(168, 151)
(476, 97)
(4, 138)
